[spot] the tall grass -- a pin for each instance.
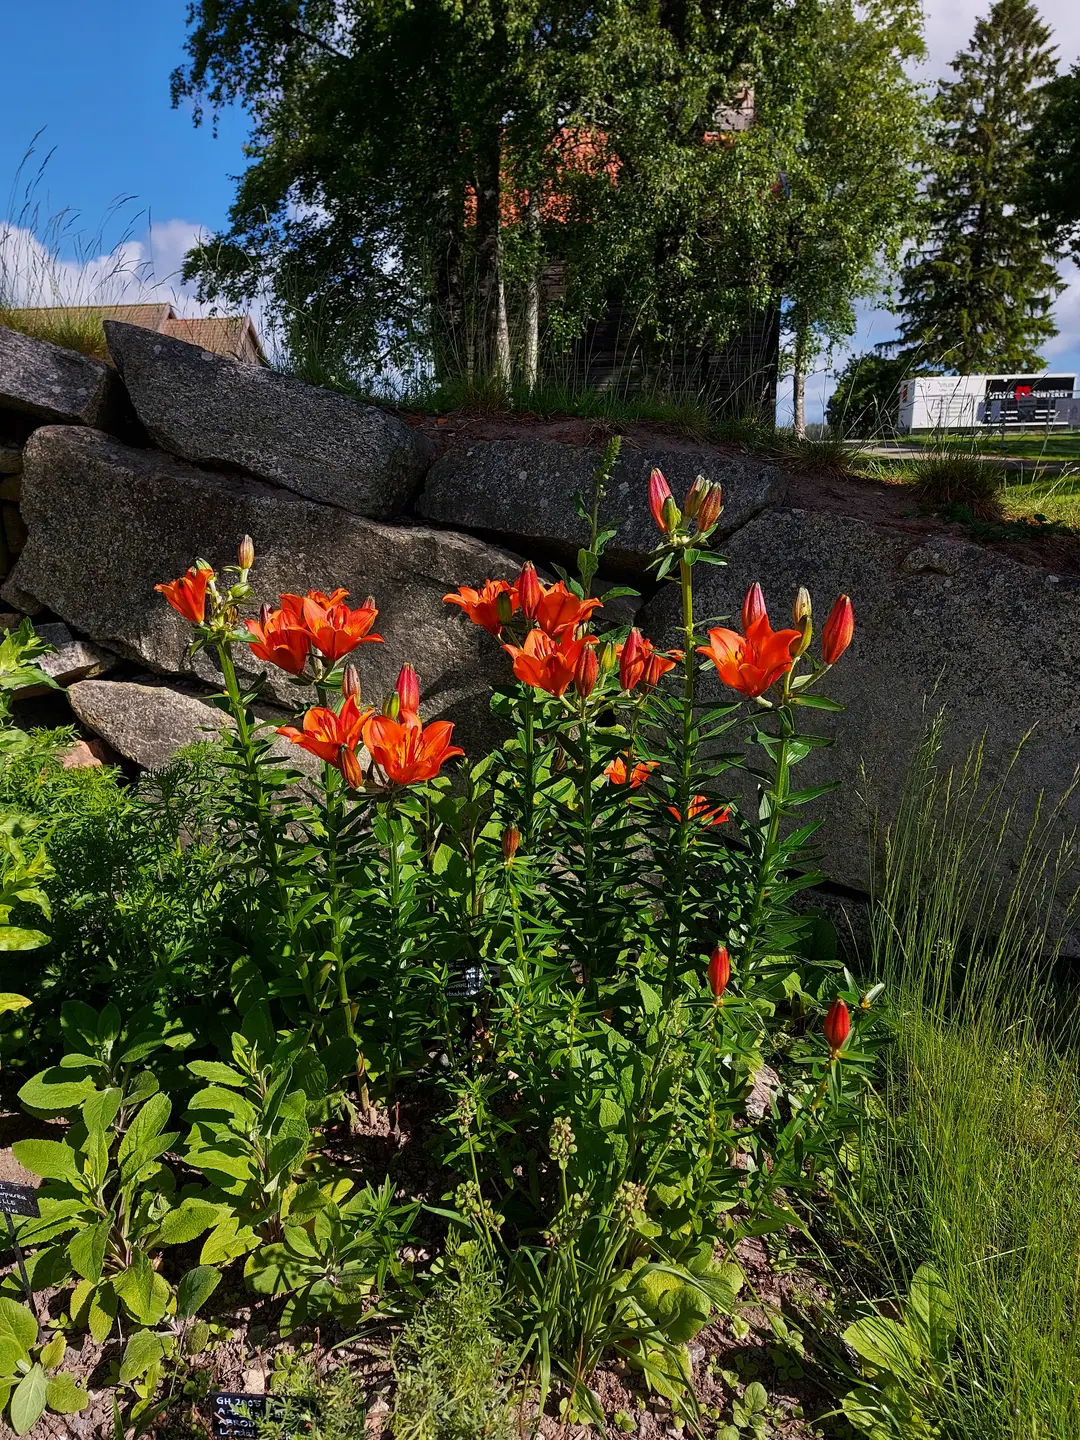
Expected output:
(974, 1164)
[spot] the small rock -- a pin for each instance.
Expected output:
(69, 661)
(80, 757)
(10, 619)
(145, 723)
(254, 1382)
(11, 461)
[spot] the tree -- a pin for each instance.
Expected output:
(402, 149)
(851, 164)
(978, 296)
(1051, 194)
(867, 396)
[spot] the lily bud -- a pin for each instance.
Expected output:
(586, 671)
(711, 506)
(719, 970)
(264, 616)
(504, 607)
(511, 839)
(349, 765)
(694, 496)
(839, 628)
(350, 683)
(753, 607)
(670, 516)
(246, 557)
(369, 603)
(529, 592)
(408, 690)
(608, 656)
(837, 1026)
(802, 614)
(631, 661)
(659, 495)
(392, 705)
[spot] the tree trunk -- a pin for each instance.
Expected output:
(532, 297)
(798, 382)
(450, 339)
(492, 332)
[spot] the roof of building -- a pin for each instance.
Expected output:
(233, 335)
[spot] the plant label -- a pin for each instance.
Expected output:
(234, 1416)
(18, 1199)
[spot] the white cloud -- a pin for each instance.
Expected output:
(33, 270)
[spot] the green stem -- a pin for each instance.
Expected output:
(528, 813)
(268, 840)
(685, 781)
(588, 847)
(334, 821)
(777, 796)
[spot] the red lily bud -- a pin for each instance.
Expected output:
(586, 671)
(659, 494)
(694, 496)
(408, 690)
(529, 592)
(753, 607)
(839, 628)
(632, 660)
(246, 556)
(511, 839)
(719, 970)
(837, 1026)
(349, 766)
(350, 682)
(711, 507)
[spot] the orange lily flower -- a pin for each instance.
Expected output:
(293, 605)
(700, 810)
(560, 611)
(546, 663)
(326, 733)
(280, 640)
(752, 662)
(188, 594)
(618, 774)
(640, 660)
(407, 751)
(481, 606)
(335, 629)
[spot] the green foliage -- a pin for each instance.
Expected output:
(322, 1406)
(109, 1203)
(450, 1365)
(979, 295)
(19, 649)
(904, 1362)
(30, 1380)
(139, 914)
(251, 1138)
(335, 1266)
(866, 399)
(1052, 185)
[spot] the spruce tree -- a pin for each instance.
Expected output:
(978, 296)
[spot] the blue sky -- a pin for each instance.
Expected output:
(95, 80)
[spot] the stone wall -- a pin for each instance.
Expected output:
(114, 477)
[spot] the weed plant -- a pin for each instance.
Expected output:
(970, 1164)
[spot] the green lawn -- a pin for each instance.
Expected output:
(1033, 445)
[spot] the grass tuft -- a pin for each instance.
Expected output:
(972, 1165)
(952, 478)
